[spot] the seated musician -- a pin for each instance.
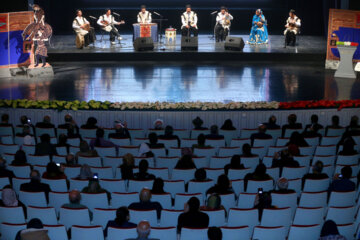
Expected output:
(82, 26)
(189, 22)
(144, 16)
(222, 27)
(107, 23)
(293, 24)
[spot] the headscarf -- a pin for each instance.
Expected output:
(329, 228)
(85, 172)
(8, 197)
(158, 124)
(144, 148)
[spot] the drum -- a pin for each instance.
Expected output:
(260, 24)
(170, 34)
(79, 41)
(146, 30)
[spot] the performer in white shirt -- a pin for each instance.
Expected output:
(189, 21)
(223, 22)
(293, 24)
(107, 22)
(82, 26)
(144, 16)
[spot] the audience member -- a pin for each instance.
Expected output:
(192, 217)
(28, 138)
(354, 127)
(75, 202)
(198, 122)
(19, 159)
(145, 203)
(99, 141)
(342, 182)
(94, 187)
(263, 200)
(145, 151)
(90, 123)
(143, 174)
(73, 132)
(5, 121)
(214, 133)
(158, 124)
(314, 122)
(143, 229)
(127, 167)
(45, 147)
(169, 135)
(185, 162)
(53, 172)
(24, 120)
(297, 139)
(271, 124)
(69, 122)
(286, 158)
(259, 174)
(214, 233)
(330, 231)
(235, 163)
(335, 124)
(121, 220)
(46, 123)
(246, 151)
(9, 199)
(121, 130)
(200, 175)
(316, 172)
(312, 131)
(228, 125)
(282, 187)
(261, 134)
(85, 173)
(71, 161)
(62, 142)
(200, 142)
(223, 186)
(292, 124)
(158, 186)
(153, 141)
(85, 151)
(348, 147)
(4, 172)
(213, 203)
(35, 184)
(34, 230)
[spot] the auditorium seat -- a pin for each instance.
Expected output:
(247, 132)
(72, 172)
(74, 216)
(77, 184)
(56, 185)
(4, 181)
(293, 172)
(347, 230)
(9, 230)
(273, 172)
(325, 150)
(276, 217)
(113, 185)
(316, 185)
(200, 187)
(168, 142)
(330, 140)
(195, 133)
(182, 198)
(166, 233)
(94, 200)
(188, 142)
(120, 141)
(38, 160)
(308, 232)
(304, 161)
(261, 151)
(243, 217)
(182, 133)
(169, 217)
(201, 162)
(342, 199)
(235, 233)
(237, 186)
(312, 141)
(275, 133)
(36, 199)
(348, 160)
(138, 141)
(341, 215)
(239, 142)
(57, 199)
(74, 149)
(162, 173)
(87, 133)
(121, 233)
(12, 215)
(6, 130)
(59, 159)
(205, 152)
(274, 149)
(167, 162)
(106, 151)
(234, 174)
(174, 186)
(289, 131)
(73, 142)
(183, 174)
(246, 200)
(87, 232)
(216, 217)
(229, 135)
(282, 200)
(354, 168)
(150, 161)
(123, 199)
(7, 139)
(214, 173)
(193, 233)
(137, 216)
(20, 140)
(174, 152)
(56, 232)
(295, 184)
(137, 133)
(164, 199)
(309, 216)
(281, 142)
(335, 132)
(40, 131)
(8, 148)
(102, 216)
(269, 233)
(250, 162)
(103, 172)
(91, 161)
(266, 143)
(219, 162)
(313, 199)
(47, 215)
(309, 151)
(158, 152)
(228, 201)
(137, 186)
(20, 171)
(112, 162)
(215, 143)
(9, 157)
(17, 183)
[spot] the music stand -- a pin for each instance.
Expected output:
(160, 20)
(213, 23)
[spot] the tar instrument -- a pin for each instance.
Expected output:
(79, 41)
(260, 24)
(227, 21)
(109, 26)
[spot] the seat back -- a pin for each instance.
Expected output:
(276, 217)
(113, 185)
(56, 232)
(246, 200)
(250, 162)
(309, 216)
(175, 186)
(169, 218)
(239, 142)
(293, 172)
(285, 200)
(167, 162)
(74, 216)
(47, 215)
(325, 150)
(102, 216)
(57, 199)
(228, 201)
(216, 217)
(347, 230)
(56, 185)
(205, 152)
(199, 187)
(214, 173)
(235, 233)
(4, 181)
(10, 230)
(298, 232)
(216, 143)
(38, 160)
(94, 200)
(164, 199)
(330, 140)
(77, 184)
(183, 174)
(181, 199)
(195, 133)
(162, 173)
(137, 216)
(193, 233)
(237, 186)
(167, 233)
(253, 186)
(201, 162)
(169, 142)
(20, 171)
(120, 141)
(342, 199)
(243, 217)
(72, 172)
(234, 174)
(91, 161)
(219, 162)
(123, 199)
(269, 233)
(341, 215)
(106, 151)
(87, 232)
(316, 185)
(137, 186)
(137, 133)
(229, 135)
(36, 199)
(313, 199)
(12, 215)
(121, 233)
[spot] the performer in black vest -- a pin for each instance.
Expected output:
(82, 26)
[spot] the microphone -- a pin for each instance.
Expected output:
(92, 17)
(157, 14)
(116, 14)
(213, 12)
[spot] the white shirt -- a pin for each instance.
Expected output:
(79, 21)
(187, 17)
(221, 17)
(110, 19)
(296, 19)
(144, 17)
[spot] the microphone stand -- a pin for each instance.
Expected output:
(213, 24)
(113, 26)
(160, 28)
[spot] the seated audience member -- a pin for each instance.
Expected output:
(71, 161)
(297, 139)
(263, 200)
(158, 124)
(342, 182)
(228, 125)
(4, 172)
(90, 123)
(292, 124)
(200, 142)
(312, 131)
(198, 122)
(143, 171)
(5, 121)
(145, 203)
(85, 151)
(286, 158)
(213, 203)
(235, 163)
(335, 124)
(121, 220)
(35, 184)
(169, 135)
(261, 134)
(45, 147)
(259, 174)
(153, 141)
(314, 122)
(143, 230)
(28, 138)
(85, 173)
(348, 147)
(94, 187)
(192, 217)
(24, 120)
(127, 167)
(9, 199)
(74, 202)
(69, 121)
(72, 132)
(145, 151)
(46, 123)
(200, 175)
(53, 172)
(214, 233)
(316, 173)
(330, 231)
(271, 124)
(214, 133)
(99, 141)
(246, 151)
(62, 142)
(223, 186)
(19, 159)
(282, 185)
(354, 127)
(158, 186)
(121, 130)
(185, 162)
(34, 230)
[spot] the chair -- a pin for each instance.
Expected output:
(4, 181)
(74, 216)
(20, 171)
(73, 141)
(307, 151)
(309, 216)
(330, 140)
(266, 143)
(6, 130)
(112, 162)
(281, 142)
(56, 232)
(183, 174)
(188, 142)
(228, 200)
(138, 141)
(285, 200)
(175, 186)
(20, 140)
(235, 174)
(113, 185)
(229, 135)
(328, 169)
(106, 151)
(246, 200)
(36, 199)
(214, 173)
(123, 199)
(56, 185)
(38, 160)
(137, 133)
(325, 150)
(269, 233)
(47, 215)
(216, 143)
(120, 141)
(102, 216)
(304, 161)
(17, 183)
(195, 133)
(216, 217)
(77, 184)
(167, 162)
(250, 162)
(158, 152)
(276, 217)
(341, 215)
(205, 152)
(238, 186)
(235, 233)
(40, 131)
(243, 217)
(103, 172)
(59, 159)
(94, 200)
(12, 215)
(121, 233)
(182, 133)
(87, 133)
(313, 141)
(74, 149)
(9, 230)
(201, 162)
(164, 199)
(347, 160)
(247, 132)
(342, 199)
(57, 199)
(274, 149)
(137, 216)
(166, 233)
(193, 233)
(253, 185)
(174, 152)
(169, 143)
(239, 142)
(289, 131)
(28, 149)
(219, 162)
(8, 139)
(72, 172)
(8, 148)
(181, 199)
(199, 187)
(91, 161)
(295, 184)
(313, 199)
(293, 172)
(137, 186)
(162, 173)
(87, 232)
(355, 169)
(260, 151)
(275, 133)
(316, 185)
(169, 218)
(347, 230)
(300, 232)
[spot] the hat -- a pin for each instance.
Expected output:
(142, 6)
(188, 6)
(223, 8)
(118, 123)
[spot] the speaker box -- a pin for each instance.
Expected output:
(143, 44)
(189, 43)
(234, 43)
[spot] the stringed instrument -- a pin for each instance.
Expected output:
(109, 26)
(86, 26)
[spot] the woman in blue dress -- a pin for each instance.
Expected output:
(259, 33)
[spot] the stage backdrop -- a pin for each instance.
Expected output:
(344, 25)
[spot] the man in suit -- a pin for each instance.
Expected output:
(143, 230)
(35, 184)
(145, 203)
(261, 134)
(121, 130)
(5, 121)
(292, 124)
(214, 133)
(69, 121)
(46, 123)
(45, 147)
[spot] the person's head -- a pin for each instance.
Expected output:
(91, 121)
(214, 233)
(292, 119)
(262, 128)
(264, 200)
(295, 137)
(5, 118)
(200, 174)
(35, 223)
(46, 119)
(186, 151)
(129, 160)
(258, 12)
(158, 124)
(26, 129)
(235, 161)
(201, 139)
(197, 122)
(8, 197)
(223, 182)
(45, 138)
(260, 169)
(94, 185)
(70, 159)
(348, 145)
(292, 13)
(329, 228)
(293, 150)
(84, 146)
(143, 166)
(145, 195)
(193, 204)
(346, 172)
(78, 13)
(100, 133)
(35, 175)
(228, 122)
(246, 149)
(314, 118)
(62, 139)
(223, 10)
(214, 129)
(85, 172)
(272, 119)
(68, 118)
(214, 202)
(318, 167)
(20, 156)
(335, 120)
(143, 8)
(122, 215)
(52, 168)
(108, 12)
(153, 138)
(74, 197)
(143, 229)
(354, 121)
(188, 8)
(24, 119)
(186, 159)
(118, 125)
(169, 130)
(158, 185)
(282, 184)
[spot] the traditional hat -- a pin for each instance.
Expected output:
(142, 6)
(222, 8)
(292, 11)
(188, 6)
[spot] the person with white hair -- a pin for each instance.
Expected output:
(282, 187)
(121, 130)
(158, 124)
(143, 230)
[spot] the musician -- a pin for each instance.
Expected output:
(189, 21)
(293, 24)
(144, 16)
(259, 32)
(222, 27)
(82, 26)
(107, 22)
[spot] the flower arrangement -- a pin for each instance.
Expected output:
(353, 44)
(168, 106)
